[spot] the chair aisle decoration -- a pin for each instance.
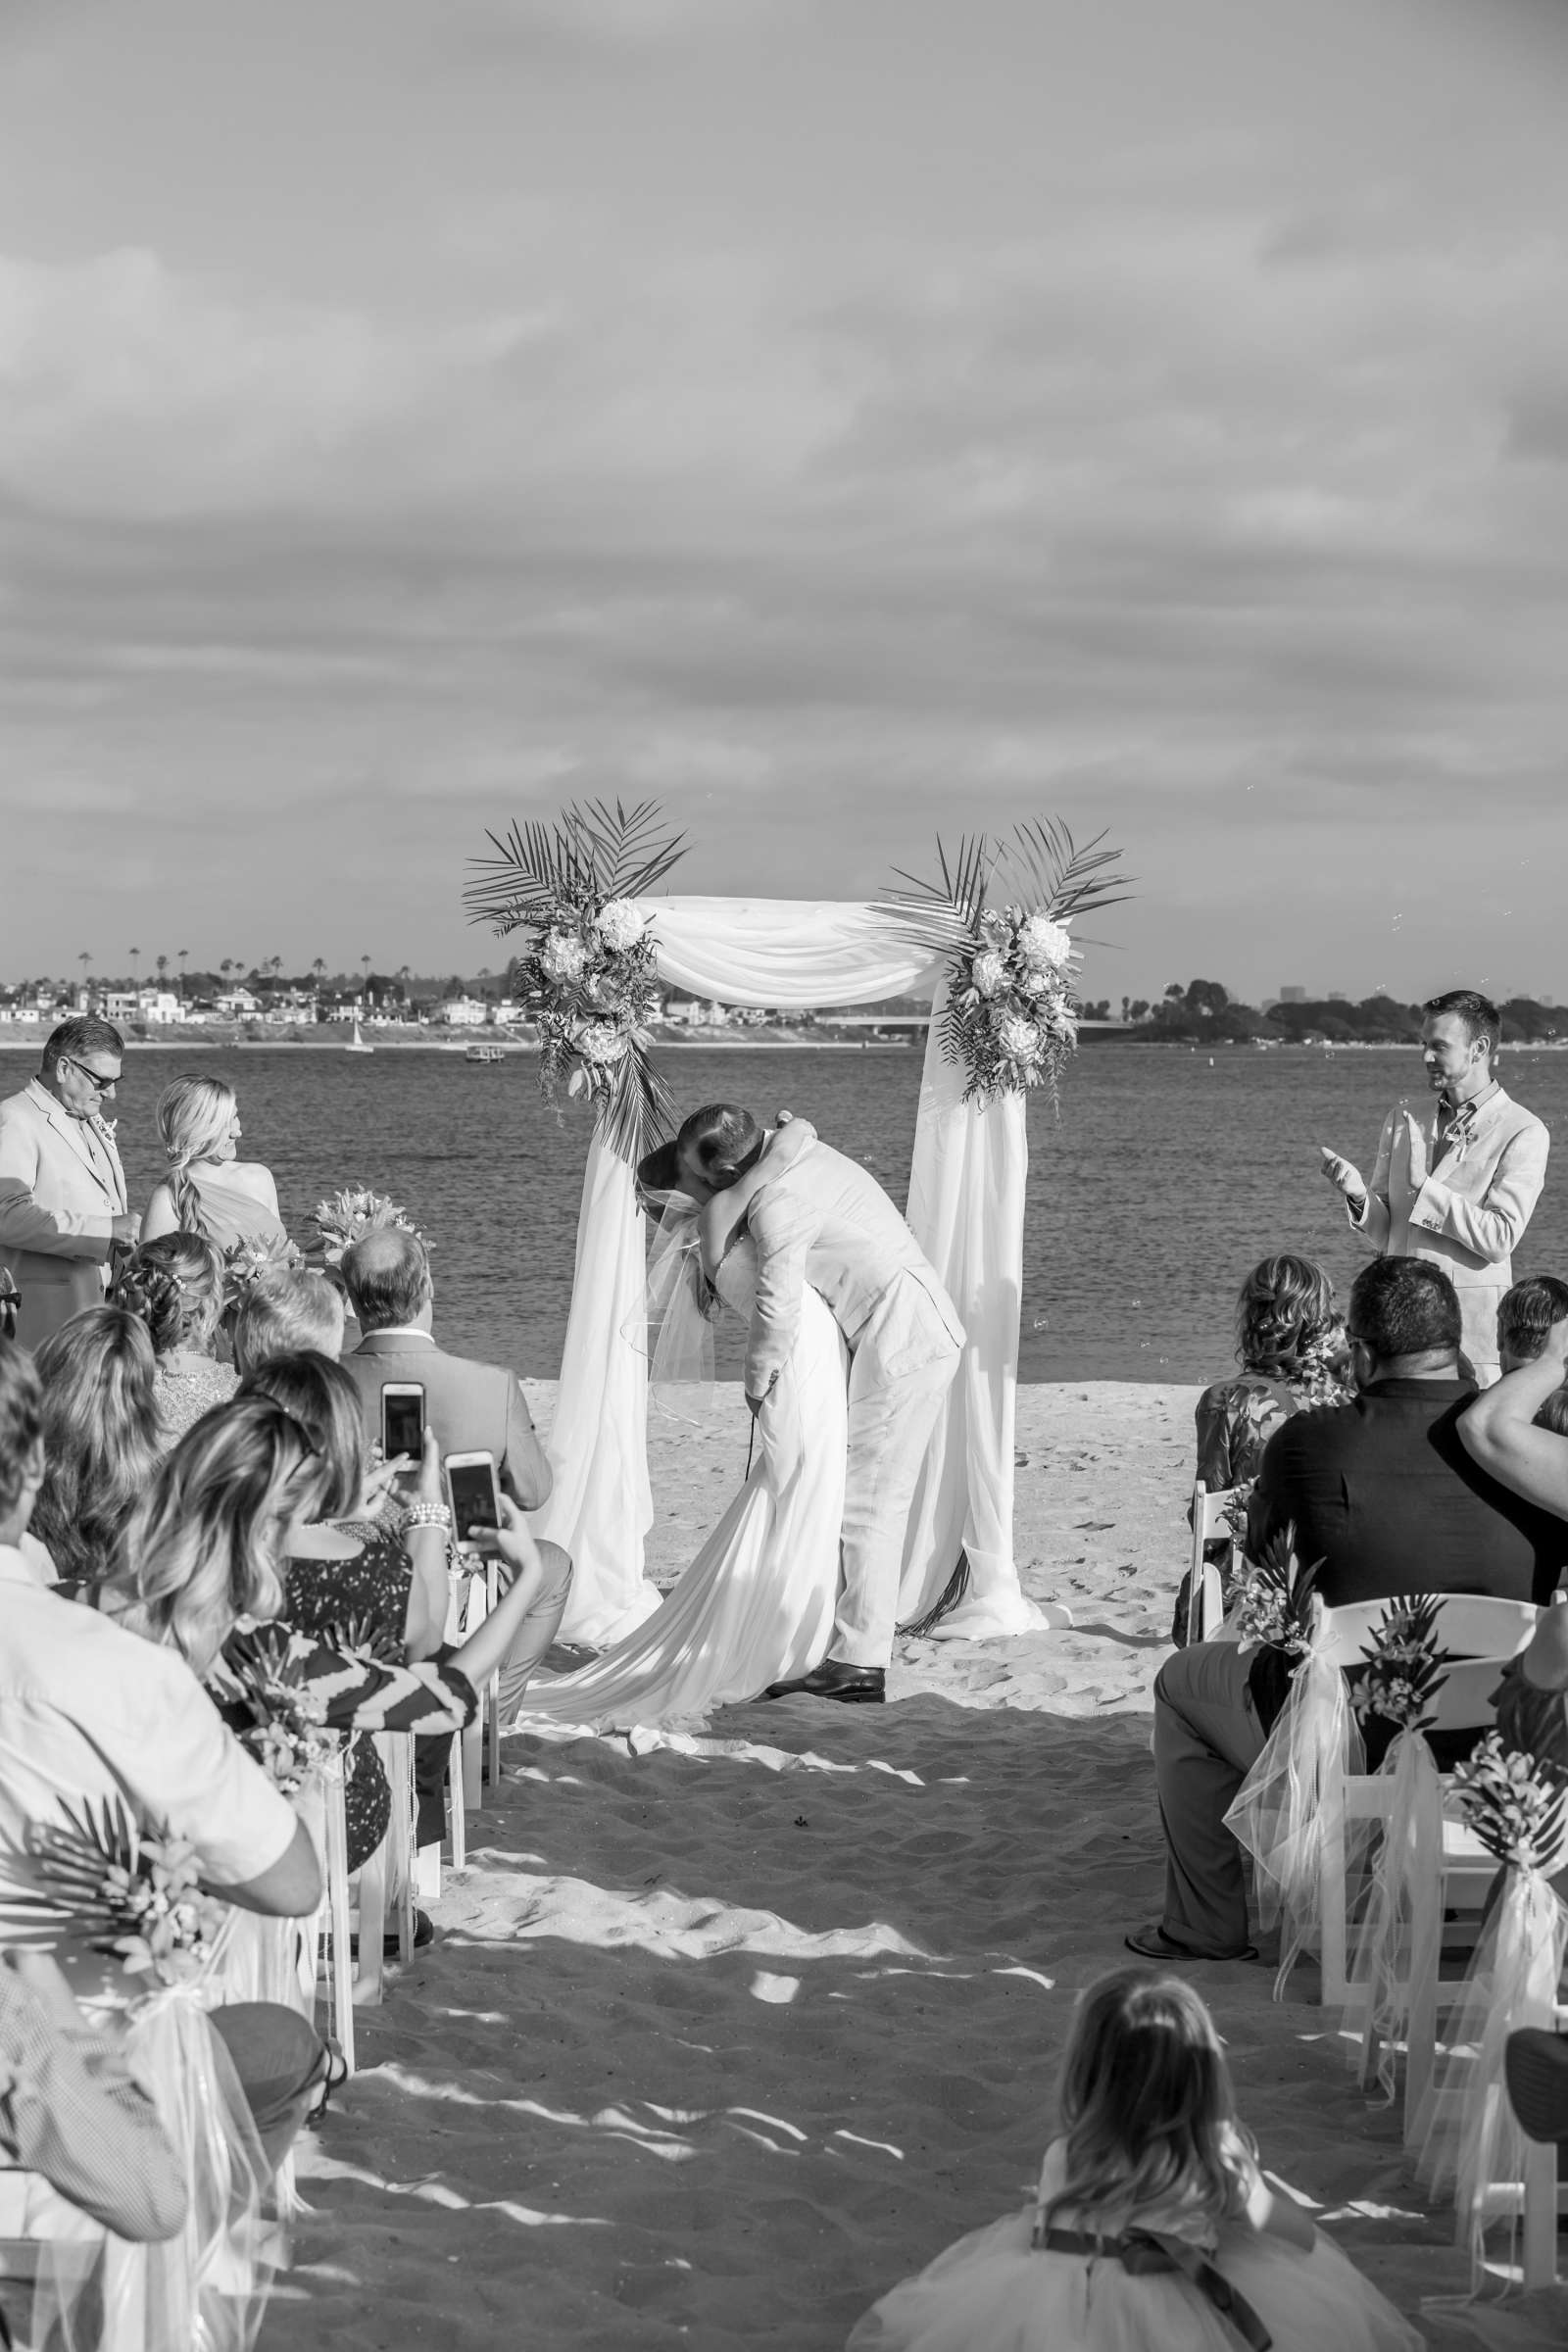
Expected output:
(1517, 1806)
(989, 942)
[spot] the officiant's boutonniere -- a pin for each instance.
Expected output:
(1010, 1019)
(589, 980)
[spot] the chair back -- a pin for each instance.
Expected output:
(1205, 1596)
(1480, 1633)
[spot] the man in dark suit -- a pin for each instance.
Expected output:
(473, 1408)
(1383, 1492)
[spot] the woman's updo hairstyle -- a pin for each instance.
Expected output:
(176, 1285)
(1285, 1306)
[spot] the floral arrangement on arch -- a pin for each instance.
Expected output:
(346, 1218)
(1000, 914)
(133, 1894)
(589, 978)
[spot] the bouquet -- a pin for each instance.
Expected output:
(1516, 1803)
(1010, 1019)
(133, 1894)
(282, 1718)
(1273, 1597)
(346, 1218)
(245, 1263)
(589, 980)
(1406, 1669)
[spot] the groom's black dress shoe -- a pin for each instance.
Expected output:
(865, 1685)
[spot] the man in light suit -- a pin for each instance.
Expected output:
(824, 1221)
(473, 1407)
(62, 1188)
(1460, 1190)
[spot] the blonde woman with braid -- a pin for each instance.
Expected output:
(208, 1189)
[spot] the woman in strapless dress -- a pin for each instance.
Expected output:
(208, 1189)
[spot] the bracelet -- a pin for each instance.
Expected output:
(427, 1514)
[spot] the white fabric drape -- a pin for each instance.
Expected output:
(601, 1505)
(966, 1201)
(966, 1196)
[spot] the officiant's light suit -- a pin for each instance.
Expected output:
(1463, 1203)
(824, 1221)
(61, 1189)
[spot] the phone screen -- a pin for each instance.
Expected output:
(402, 1424)
(473, 1486)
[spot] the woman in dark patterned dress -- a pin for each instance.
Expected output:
(1291, 1345)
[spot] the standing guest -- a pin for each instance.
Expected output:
(91, 1714)
(62, 1204)
(1527, 1316)
(1291, 1345)
(208, 1189)
(471, 1408)
(1461, 1190)
(1383, 1492)
(101, 1437)
(286, 1312)
(175, 1284)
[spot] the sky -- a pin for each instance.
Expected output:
(846, 422)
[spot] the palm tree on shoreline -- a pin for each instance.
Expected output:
(86, 962)
(183, 953)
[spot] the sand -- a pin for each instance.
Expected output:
(720, 2039)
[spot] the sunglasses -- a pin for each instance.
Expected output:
(102, 1084)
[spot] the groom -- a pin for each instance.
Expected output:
(824, 1221)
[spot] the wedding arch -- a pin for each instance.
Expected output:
(987, 943)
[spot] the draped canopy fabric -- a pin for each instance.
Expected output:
(966, 1199)
(793, 954)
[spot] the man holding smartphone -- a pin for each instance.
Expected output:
(480, 1417)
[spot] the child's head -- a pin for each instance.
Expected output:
(1526, 1314)
(1146, 2095)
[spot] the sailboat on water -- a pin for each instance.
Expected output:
(357, 1043)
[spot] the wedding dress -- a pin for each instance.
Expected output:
(756, 1603)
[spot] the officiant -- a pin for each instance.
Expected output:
(1460, 1188)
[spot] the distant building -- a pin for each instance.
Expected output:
(1337, 996)
(153, 1008)
(238, 1003)
(464, 1012)
(1292, 996)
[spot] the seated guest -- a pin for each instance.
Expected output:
(1525, 1316)
(72, 2111)
(89, 1714)
(1385, 1495)
(1291, 1345)
(176, 1285)
(101, 1437)
(286, 1313)
(471, 1408)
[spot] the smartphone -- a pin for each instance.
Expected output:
(473, 1493)
(403, 1420)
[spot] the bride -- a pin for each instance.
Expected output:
(755, 1606)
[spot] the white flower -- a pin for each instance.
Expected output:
(1017, 1039)
(561, 956)
(600, 1042)
(987, 973)
(1043, 945)
(621, 923)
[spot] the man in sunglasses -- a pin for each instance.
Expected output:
(62, 1202)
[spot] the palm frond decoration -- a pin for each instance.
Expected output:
(1515, 1802)
(998, 912)
(588, 978)
(1405, 1668)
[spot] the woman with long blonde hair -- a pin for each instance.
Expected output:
(208, 1189)
(101, 1436)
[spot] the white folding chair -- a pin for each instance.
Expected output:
(385, 1882)
(334, 1919)
(1481, 1634)
(1544, 2198)
(1205, 1599)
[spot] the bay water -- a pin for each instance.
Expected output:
(1166, 1176)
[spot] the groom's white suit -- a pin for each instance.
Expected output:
(822, 1220)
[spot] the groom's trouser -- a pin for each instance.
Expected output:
(901, 1368)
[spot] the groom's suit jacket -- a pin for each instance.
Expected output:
(60, 1188)
(822, 1220)
(1465, 1209)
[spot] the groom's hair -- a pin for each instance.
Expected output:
(723, 1139)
